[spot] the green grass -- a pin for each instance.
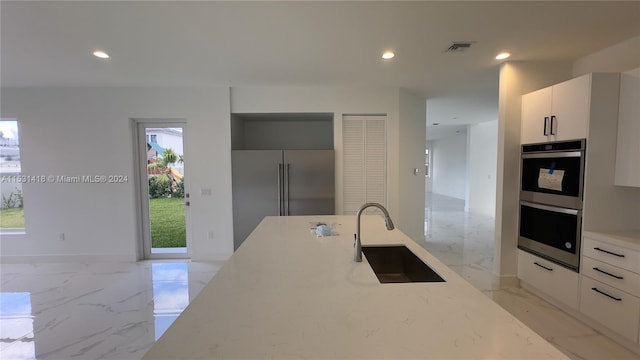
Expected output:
(167, 222)
(168, 227)
(12, 218)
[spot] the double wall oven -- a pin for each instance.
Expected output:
(551, 188)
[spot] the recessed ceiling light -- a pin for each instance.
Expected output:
(101, 54)
(388, 55)
(502, 56)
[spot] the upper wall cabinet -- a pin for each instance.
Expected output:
(628, 145)
(559, 112)
(282, 131)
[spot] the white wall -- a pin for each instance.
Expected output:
(413, 126)
(483, 161)
(88, 131)
(620, 57)
(450, 166)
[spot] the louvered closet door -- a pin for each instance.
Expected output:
(364, 161)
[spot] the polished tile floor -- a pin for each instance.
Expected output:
(93, 311)
(117, 310)
(464, 241)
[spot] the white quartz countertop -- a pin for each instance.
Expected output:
(289, 294)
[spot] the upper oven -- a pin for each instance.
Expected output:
(552, 173)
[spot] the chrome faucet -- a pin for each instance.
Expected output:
(357, 256)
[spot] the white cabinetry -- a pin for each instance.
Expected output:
(559, 112)
(549, 278)
(628, 146)
(610, 289)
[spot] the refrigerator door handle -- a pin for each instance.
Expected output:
(286, 190)
(280, 199)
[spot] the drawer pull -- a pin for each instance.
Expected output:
(544, 267)
(605, 294)
(607, 273)
(608, 252)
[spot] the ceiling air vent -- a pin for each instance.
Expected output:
(459, 46)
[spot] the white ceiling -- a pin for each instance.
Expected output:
(167, 43)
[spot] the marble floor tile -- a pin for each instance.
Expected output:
(464, 241)
(93, 311)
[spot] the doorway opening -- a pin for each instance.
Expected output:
(163, 200)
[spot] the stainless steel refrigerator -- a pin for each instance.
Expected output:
(280, 182)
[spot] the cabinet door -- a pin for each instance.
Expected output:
(536, 106)
(611, 307)
(570, 108)
(554, 280)
(628, 147)
(364, 161)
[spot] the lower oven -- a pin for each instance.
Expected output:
(551, 232)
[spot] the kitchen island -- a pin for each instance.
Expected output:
(287, 293)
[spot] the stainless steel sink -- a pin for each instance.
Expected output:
(397, 264)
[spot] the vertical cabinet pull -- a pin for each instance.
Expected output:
(286, 190)
(545, 132)
(280, 180)
(553, 120)
(542, 266)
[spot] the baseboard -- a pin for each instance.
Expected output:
(502, 281)
(22, 259)
(218, 256)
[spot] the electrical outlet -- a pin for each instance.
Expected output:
(210, 234)
(205, 191)
(61, 236)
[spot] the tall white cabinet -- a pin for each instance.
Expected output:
(364, 161)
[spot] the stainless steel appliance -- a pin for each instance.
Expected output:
(551, 232)
(551, 188)
(553, 173)
(280, 182)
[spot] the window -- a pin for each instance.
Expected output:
(11, 205)
(152, 138)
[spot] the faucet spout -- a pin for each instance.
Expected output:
(357, 256)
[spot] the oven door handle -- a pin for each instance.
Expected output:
(553, 154)
(550, 208)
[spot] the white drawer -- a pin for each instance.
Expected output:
(612, 254)
(554, 280)
(611, 275)
(611, 307)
